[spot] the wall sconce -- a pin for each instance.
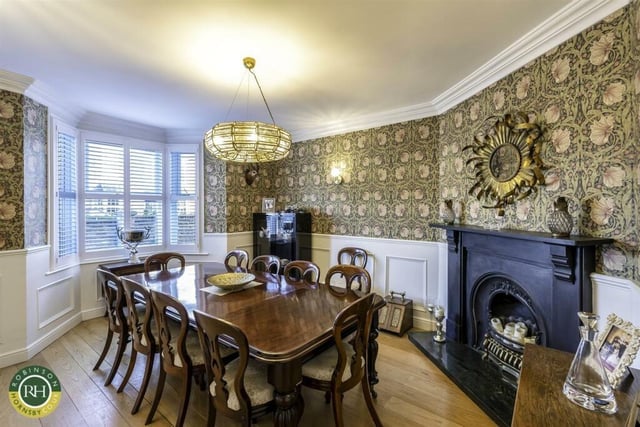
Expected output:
(336, 174)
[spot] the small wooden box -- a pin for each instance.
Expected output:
(397, 315)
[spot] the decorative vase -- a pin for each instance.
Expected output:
(587, 384)
(559, 221)
(447, 214)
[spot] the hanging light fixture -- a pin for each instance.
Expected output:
(248, 142)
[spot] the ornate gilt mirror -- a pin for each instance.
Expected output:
(506, 160)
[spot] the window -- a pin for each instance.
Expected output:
(65, 198)
(134, 184)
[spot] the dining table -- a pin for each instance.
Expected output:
(286, 322)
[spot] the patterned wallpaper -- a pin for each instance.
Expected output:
(23, 172)
(584, 93)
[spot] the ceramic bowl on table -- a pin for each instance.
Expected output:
(230, 281)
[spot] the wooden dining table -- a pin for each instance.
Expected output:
(285, 322)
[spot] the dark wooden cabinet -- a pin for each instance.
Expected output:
(285, 234)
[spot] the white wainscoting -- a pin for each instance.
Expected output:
(415, 267)
(619, 296)
(54, 300)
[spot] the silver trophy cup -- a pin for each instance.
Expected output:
(131, 239)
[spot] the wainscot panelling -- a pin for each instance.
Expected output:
(616, 295)
(400, 265)
(54, 300)
(13, 326)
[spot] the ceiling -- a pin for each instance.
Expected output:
(325, 66)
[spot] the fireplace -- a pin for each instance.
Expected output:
(500, 277)
(543, 279)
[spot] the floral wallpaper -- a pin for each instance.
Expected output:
(35, 173)
(584, 93)
(23, 172)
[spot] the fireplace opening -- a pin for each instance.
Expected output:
(504, 319)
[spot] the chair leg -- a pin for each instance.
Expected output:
(368, 398)
(127, 375)
(105, 350)
(122, 345)
(211, 417)
(184, 403)
(158, 395)
(148, 366)
(337, 408)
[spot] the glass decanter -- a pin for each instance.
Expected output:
(587, 384)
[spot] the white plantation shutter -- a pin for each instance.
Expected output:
(66, 194)
(104, 194)
(145, 189)
(182, 210)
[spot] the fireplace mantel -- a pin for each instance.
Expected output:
(555, 269)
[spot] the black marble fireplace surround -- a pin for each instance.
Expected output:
(542, 278)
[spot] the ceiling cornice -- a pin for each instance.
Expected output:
(571, 20)
(14, 82)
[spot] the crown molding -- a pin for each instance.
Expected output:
(368, 121)
(112, 125)
(184, 136)
(568, 22)
(14, 82)
(69, 113)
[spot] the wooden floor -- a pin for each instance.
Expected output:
(411, 392)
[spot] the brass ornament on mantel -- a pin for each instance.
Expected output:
(506, 159)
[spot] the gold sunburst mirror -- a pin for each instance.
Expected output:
(506, 160)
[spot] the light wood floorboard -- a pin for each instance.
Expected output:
(411, 391)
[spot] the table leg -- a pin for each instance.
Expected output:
(373, 354)
(286, 379)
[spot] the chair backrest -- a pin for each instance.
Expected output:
(172, 321)
(161, 260)
(140, 322)
(268, 263)
(300, 270)
(355, 277)
(114, 301)
(354, 256)
(210, 329)
(236, 259)
(359, 311)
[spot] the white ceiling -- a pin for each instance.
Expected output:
(325, 66)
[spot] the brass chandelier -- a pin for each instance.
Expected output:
(249, 141)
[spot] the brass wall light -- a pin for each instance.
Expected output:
(250, 141)
(336, 174)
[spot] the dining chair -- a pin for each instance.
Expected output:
(302, 270)
(354, 256)
(112, 294)
(143, 334)
(236, 259)
(354, 277)
(161, 260)
(268, 263)
(342, 366)
(180, 352)
(239, 388)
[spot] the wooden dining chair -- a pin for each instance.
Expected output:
(355, 278)
(239, 388)
(301, 270)
(268, 263)
(342, 366)
(161, 260)
(113, 296)
(143, 334)
(354, 256)
(180, 352)
(236, 259)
